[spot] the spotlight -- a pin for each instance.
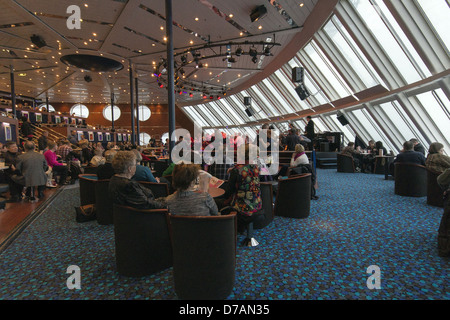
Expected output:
(182, 72)
(161, 85)
(191, 94)
(239, 51)
(211, 97)
(253, 52)
(183, 59)
(204, 96)
(267, 51)
(87, 78)
(254, 59)
(231, 60)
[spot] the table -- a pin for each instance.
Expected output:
(215, 192)
(386, 165)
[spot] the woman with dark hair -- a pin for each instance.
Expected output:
(436, 159)
(127, 192)
(188, 199)
(378, 147)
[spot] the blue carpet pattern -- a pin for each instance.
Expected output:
(357, 222)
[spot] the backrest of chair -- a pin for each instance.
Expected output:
(90, 170)
(204, 255)
(87, 188)
(435, 194)
(267, 206)
(410, 179)
(158, 189)
(160, 167)
(345, 163)
(293, 197)
(142, 240)
(103, 203)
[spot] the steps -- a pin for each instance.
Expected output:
(326, 160)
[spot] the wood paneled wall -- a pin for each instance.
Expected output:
(156, 126)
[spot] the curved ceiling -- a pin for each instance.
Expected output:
(134, 33)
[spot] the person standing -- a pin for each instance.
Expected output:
(33, 167)
(26, 130)
(12, 174)
(310, 131)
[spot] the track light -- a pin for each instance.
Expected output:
(253, 52)
(254, 59)
(183, 59)
(239, 51)
(38, 41)
(267, 51)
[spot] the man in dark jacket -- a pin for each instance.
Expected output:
(418, 146)
(309, 131)
(408, 155)
(292, 139)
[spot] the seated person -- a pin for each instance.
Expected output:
(378, 147)
(436, 160)
(127, 192)
(98, 158)
(12, 173)
(57, 167)
(243, 192)
(417, 146)
(408, 155)
(299, 157)
(189, 199)
(355, 154)
(143, 173)
(106, 171)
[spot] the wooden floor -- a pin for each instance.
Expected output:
(15, 213)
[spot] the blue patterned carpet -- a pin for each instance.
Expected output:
(357, 222)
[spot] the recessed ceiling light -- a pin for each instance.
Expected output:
(86, 5)
(196, 19)
(260, 27)
(301, 4)
(231, 15)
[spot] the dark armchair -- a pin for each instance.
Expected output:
(435, 194)
(293, 198)
(87, 188)
(345, 163)
(267, 203)
(158, 189)
(410, 179)
(142, 241)
(103, 203)
(204, 256)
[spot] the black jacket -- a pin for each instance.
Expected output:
(411, 157)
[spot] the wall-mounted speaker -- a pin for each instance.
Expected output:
(249, 111)
(297, 74)
(302, 92)
(258, 13)
(247, 101)
(342, 119)
(38, 41)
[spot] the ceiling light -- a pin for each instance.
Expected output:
(239, 51)
(258, 13)
(254, 59)
(253, 52)
(267, 51)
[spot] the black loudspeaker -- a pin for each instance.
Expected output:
(38, 41)
(297, 74)
(342, 119)
(258, 13)
(249, 111)
(247, 101)
(302, 92)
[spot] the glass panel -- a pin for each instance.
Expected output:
(195, 116)
(219, 105)
(144, 138)
(386, 40)
(107, 113)
(352, 59)
(144, 113)
(436, 112)
(438, 13)
(398, 120)
(328, 71)
(230, 109)
(50, 107)
(280, 100)
(262, 100)
(80, 110)
(204, 110)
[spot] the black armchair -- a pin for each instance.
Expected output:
(103, 203)
(87, 188)
(435, 194)
(293, 198)
(204, 256)
(158, 189)
(345, 163)
(142, 241)
(410, 179)
(267, 203)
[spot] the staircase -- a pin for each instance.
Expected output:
(326, 160)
